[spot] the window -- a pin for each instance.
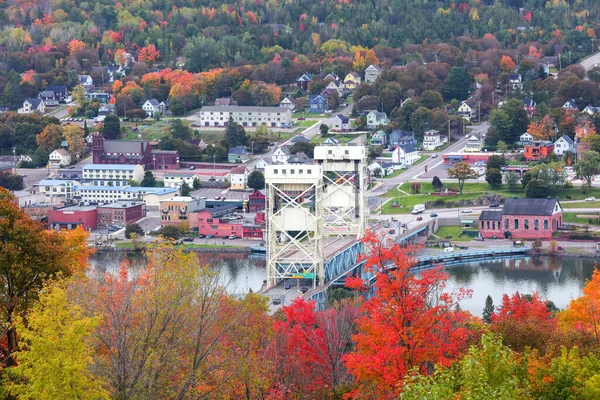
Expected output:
(545, 224)
(526, 224)
(488, 224)
(516, 223)
(275, 171)
(536, 225)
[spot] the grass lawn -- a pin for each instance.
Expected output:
(587, 204)
(394, 174)
(453, 231)
(342, 138)
(129, 246)
(574, 219)
(306, 123)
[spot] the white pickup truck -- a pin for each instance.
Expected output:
(418, 208)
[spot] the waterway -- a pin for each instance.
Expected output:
(555, 278)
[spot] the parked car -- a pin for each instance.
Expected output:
(193, 167)
(433, 215)
(434, 156)
(209, 236)
(288, 285)
(419, 218)
(303, 289)
(276, 302)
(231, 237)
(217, 197)
(301, 118)
(466, 211)
(201, 236)
(392, 232)
(225, 237)
(188, 239)
(590, 199)
(449, 250)
(494, 205)
(463, 247)
(394, 219)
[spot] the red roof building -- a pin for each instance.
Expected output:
(71, 217)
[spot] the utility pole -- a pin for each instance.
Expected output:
(479, 112)
(214, 158)
(449, 131)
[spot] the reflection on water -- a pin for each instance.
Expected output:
(557, 279)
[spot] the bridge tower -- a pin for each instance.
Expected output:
(344, 189)
(294, 222)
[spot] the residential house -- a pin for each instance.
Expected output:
(591, 110)
(397, 137)
(317, 104)
(302, 81)
(372, 72)
(375, 119)
(281, 155)
(59, 158)
(247, 116)
(288, 102)
(238, 154)
(331, 141)
(432, 140)
(112, 175)
(177, 209)
(299, 158)
(153, 107)
(340, 123)
(337, 86)
(538, 149)
(564, 144)
(570, 105)
(256, 201)
(261, 164)
(529, 104)
(332, 76)
(32, 105)
(86, 81)
(225, 102)
(379, 138)
(238, 178)
(406, 154)
(177, 179)
(525, 139)
(120, 213)
(49, 98)
(106, 109)
(515, 81)
(102, 97)
(351, 81)
(474, 144)
(300, 139)
(466, 111)
(522, 219)
(59, 93)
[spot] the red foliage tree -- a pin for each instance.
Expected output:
(524, 320)
(149, 54)
(410, 322)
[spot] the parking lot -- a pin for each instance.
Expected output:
(212, 193)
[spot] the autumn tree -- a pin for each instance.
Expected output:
(524, 321)
(371, 58)
(73, 135)
(582, 315)
(461, 172)
(149, 54)
(50, 138)
(55, 361)
(410, 322)
(542, 129)
(358, 63)
(30, 256)
(75, 46)
(78, 95)
(507, 64)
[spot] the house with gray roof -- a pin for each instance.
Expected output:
(238, 154)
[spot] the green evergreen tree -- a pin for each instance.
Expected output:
(149, 180)
(488, 310)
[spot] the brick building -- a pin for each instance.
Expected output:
(256, 201)
(178, 209)
(538, 149)
(220, 222)
(522, 219)
(120, 213)
(72, 216)
(132, 152)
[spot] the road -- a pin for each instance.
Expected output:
(591, 61)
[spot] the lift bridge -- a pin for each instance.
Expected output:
(316, 215)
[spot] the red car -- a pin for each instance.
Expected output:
(419, 218)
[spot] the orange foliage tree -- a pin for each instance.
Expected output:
(28, 77)
(507, 64)
(75, 46)
(410, 322)
(149, 54)
(583, 314)
(30, 256)
(371, 58)
(542, 129)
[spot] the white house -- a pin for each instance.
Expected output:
(261, 164)
(379, 138)
(372, 73)
(112, 175)
(515, 81)
(474, 144)
(570, 105)
(175, 180)
(86, 80)
(405, 154)
(153, 106)
(432, 140)
(336, 85)
(526, 137)
(247, 116)
(564, 144)
(375, 119)
(239, 178)
(31, 105)
(466, 111)
(281, 155)
(331, 141)
(340, 123)
(59, 158)
(591, 110)
(288, 102)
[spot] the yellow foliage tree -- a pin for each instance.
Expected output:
(371, 58)
(73, 134)
(75, 46)
(49, 139)
(542, 129)
(583, 313)
(55, 362)
(358, 64)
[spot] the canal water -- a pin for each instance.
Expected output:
(556, 278)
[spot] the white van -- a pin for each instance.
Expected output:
(418, 208)
(449, 249)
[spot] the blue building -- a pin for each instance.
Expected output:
(399, 137)
(317, 104)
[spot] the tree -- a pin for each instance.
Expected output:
(493, 177)
(458, 84)
(524, 321)
(73, 135)
(149, 54)
(431, 99)
(488, 310)
(180, 131)
(542, 129)
(461, 172)
(235, 134)
(256, 180)
(583, 313)
(501, 146)
(415, 187)
(588, 166)
(323, 128)
(306, 148)
(496, 162)
(50, 138)
(507, 64)
(56, 361)
(197, 184)
(149, 180)
(111, 127)
(185, 189)
(358, 63)
(30, 257)
(537, 189)
(511, 179)
(519, 120)
(133, 229)
(79, 95)
(171, 232)
(408, 324)
(501, 124)
(437, 183)
(371, 58)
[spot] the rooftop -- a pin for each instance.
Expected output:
(117, 167)
(76, 208)
(122, 204)
(540, 207)
(244, 109)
